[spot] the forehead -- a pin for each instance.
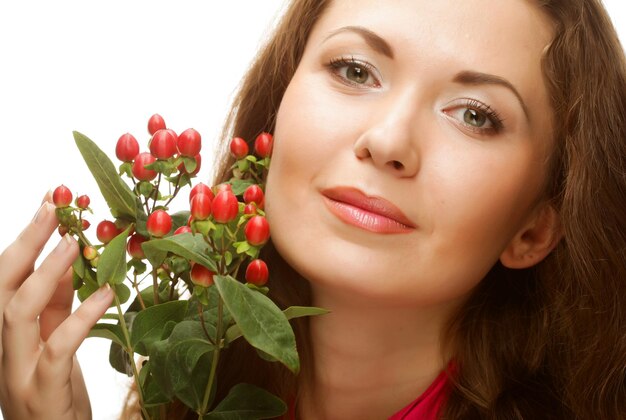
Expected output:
(503, 37)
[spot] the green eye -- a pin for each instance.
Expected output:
(474, 118)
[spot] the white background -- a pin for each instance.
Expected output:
(102, 68)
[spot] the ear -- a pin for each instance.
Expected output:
(535, 240)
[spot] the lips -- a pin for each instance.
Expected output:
(371, 213)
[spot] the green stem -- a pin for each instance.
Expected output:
(201, 315)
(216, 357)
(155, 286)
(156, 192)
(130, 352)
(136, 287)
(176, 190)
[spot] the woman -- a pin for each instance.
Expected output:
(485, 142)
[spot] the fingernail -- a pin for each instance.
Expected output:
(64, 244)
(47, 197)
(43, 210)
(102, 292)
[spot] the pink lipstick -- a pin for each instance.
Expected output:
(374, 214)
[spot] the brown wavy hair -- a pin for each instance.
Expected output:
(548, 342)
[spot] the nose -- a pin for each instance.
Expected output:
(389, 141)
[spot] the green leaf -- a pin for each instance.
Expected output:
(253, 252)
(242, 246)
(190, 164)
(149, 323)
(126, 168)
(180, 219)
(243, 165)
(240, 185)
(109, 331)
(89, 285)
(112, 266)
(185, 245)
(122, 292)
(138, 266)
(77, 282)
(184, 360)
(145, 188)
(234, 332)
(219, 231)
(192, 395)
(248, 402)
(79, 266)
(152, 393)
(228, 258)
(116, 193)
(262, 323)
(300, 311)
(119, 359)
(142, 220)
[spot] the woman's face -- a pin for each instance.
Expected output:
(437, 107)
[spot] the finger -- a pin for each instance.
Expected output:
(59, 307)
(18, 260)
(47, 197)
(80, 396)
(20, 332)
(55, 364)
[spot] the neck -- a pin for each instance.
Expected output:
(371, 359)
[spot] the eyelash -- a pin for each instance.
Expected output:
(492, 115)
(335, 64)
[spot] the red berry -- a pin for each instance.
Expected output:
(257, 230)
(63, 230)
(201, 207)
(62, 196)
(263, 145)
(239, 148)
(250, 209)
(189, 142)
(155, 123)
(159, 223)
(106, 231)
(90, 253)
(163, 144)
(182, 229)
(127, 148)
(139, 170)
(82, 202)
(134, 246)
(85, 224)
(257, 272)
(254, 194)
(225, 207)
(201, 275)
(201, 188)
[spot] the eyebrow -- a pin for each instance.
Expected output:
(468, 77)
(374, 41)
(465, 77)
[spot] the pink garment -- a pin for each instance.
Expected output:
(425, 407)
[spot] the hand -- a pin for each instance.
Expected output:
(39, 374)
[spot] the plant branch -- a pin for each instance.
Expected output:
(216, 357)
(131, 353)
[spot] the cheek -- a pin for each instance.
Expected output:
(482, 199)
